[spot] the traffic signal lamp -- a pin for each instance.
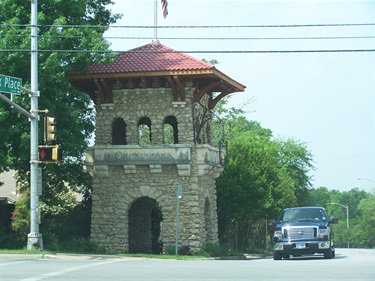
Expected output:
(56, 153)
(49, 128)
(45, 154)
(50, 153)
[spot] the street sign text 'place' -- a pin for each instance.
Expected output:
(10, 85)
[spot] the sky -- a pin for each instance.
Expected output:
(325, 100)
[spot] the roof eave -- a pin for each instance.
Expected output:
(139, 74)
(238, 86)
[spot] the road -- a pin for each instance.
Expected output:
(349, 264)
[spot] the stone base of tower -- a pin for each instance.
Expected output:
(133, 185)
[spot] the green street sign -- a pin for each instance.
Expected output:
(10, 85)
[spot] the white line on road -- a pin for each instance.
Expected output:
(63, 271)
(11, 263)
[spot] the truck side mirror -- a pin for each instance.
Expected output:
(334, 221)
(271, 223)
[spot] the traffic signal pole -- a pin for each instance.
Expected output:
(34, 238)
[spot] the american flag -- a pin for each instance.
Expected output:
(164, 6)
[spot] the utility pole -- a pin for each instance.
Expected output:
(34, 238)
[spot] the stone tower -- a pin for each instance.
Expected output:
(153, 134)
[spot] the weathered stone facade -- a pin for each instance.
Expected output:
(130, 175)
(154, 133)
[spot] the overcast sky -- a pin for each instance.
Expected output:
(323, 99)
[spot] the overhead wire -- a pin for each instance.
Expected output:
(202, 38)
(201, 51)
(198, 26)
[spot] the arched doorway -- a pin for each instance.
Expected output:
(145, 217)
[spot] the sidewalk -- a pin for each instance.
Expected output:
(68, 256)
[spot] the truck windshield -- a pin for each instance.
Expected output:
(305, 214)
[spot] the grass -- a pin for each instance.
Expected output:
(151, 256)
(210, 251)
(24, 251)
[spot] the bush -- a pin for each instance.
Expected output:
(221, 251)
(182, 250)
(82, 245)
(11, 240)
(51, 242)
(74, 245)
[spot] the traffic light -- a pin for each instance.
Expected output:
(50, 153)
(49, 128)
(45, 154)
(56, 153)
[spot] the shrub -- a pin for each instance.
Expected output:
(82, 245)
(182, 250)
(11, 240)
(220, 251)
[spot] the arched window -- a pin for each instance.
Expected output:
(144, 131)
(170, 130)
(119, 132)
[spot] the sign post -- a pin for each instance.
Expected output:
(19, 108)
(178, 197)
(34, 238)
(13, 85)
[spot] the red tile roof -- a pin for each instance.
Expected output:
(152, 57)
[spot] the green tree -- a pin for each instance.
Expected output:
(363, 232)
(229, 122)
(297, 159)
(361, 214)
(65, 30)
(262, 177)
(318, 197)
(352, 199)
(254, 186)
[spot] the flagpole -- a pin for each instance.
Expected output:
(156, 21)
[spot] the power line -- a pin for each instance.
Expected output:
(197, 26)
(249, 26)
(200, 38)
(200, 51)
(203, 38)
(246, 38)
(348, 158)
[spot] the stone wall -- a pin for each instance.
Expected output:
(155, 103)
(125, 174)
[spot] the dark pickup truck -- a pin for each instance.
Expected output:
(303, 231)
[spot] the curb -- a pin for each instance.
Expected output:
(22, 256)
(106, 257)
(64, 256)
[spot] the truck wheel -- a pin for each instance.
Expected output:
(328, 254)
(276, 256)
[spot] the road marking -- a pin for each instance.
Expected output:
(11, 263)
(63, 271)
